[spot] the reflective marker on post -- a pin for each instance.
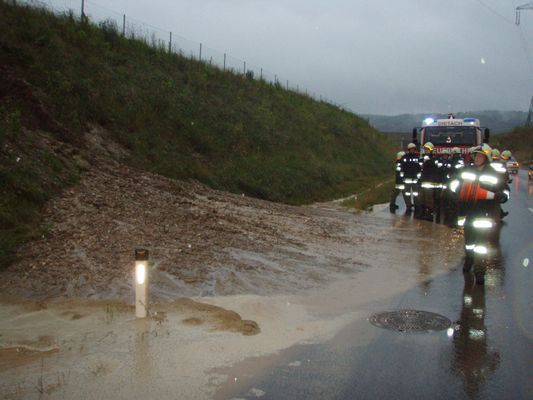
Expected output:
(141, 283)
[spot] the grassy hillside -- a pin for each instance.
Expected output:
(519, 141)
(175, 116)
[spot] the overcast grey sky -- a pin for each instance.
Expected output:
(380, 57)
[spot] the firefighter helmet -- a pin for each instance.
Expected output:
(411, 146)
(483, 149)
(495, 154)
(400, 154)
(429, 146)
(506, 154)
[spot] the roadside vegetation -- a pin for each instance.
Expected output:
(377, 191)
(173, 115)
(31, 172)
(519, 142)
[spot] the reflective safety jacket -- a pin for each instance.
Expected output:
(431, 174)
(457, 163)
(410, 168)
(398, 176)
(444, 166)
(500, 167)
(480, 186)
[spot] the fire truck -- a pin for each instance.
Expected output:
(451, 132)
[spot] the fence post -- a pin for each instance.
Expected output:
(261, 76)
(244, 68)
(275, 79)
(224, 62)
(287, 84)
(82, 10)
(200, 57)
(124, 25)
(170, 44)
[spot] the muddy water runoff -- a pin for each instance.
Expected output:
(298, 294)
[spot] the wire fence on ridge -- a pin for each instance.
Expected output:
(165, 39)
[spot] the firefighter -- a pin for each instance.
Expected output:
(456, 161)
(450, 198)
(444, 165)
(429, 181)
(501, 168)
(504, 157)
(398, 185)
(480, 190)
(410, 173)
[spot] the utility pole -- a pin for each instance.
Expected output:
(529, 120)
(528, 6)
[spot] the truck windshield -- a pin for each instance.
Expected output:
(451, 135)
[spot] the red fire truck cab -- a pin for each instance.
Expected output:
(451, 132)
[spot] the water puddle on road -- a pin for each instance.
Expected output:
(299, 295)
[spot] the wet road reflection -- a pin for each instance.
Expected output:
(473, 359)
(488, 356)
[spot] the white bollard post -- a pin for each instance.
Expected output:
(141, 283)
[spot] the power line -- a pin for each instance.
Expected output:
(495, 12)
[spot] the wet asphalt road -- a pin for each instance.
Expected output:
(489, 355)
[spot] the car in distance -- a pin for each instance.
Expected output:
(512, 166)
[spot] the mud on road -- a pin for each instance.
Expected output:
(201, 241)
(231, 277)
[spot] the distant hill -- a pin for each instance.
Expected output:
(497, 121)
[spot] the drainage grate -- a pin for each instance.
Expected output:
(410, 321)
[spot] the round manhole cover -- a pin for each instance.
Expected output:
(410, 321)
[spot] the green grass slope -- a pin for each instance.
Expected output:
(175, 116)
(519, 142)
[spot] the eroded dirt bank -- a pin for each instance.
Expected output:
(262, 277)
(202, 242)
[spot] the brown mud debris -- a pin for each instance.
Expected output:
(217, 318)
(26, 352)
(202, 242)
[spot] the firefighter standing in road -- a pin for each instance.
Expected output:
(450, 198)
(398, 184)
(480, 190)
(504, 157)
(410, 173)
(429, 180)
(444, 164)
(457, 161)
(501, 168)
